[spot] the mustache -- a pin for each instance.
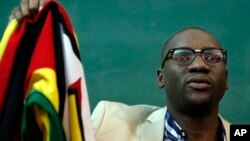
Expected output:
(199, 79)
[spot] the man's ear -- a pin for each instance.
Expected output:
(227, 80)
(160, 78)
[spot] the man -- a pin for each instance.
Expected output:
(194, 75)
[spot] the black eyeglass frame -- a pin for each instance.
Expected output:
(171, 53)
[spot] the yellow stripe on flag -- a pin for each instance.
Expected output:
(75, 131)
(44, 80)
(43, 122)
(76, 39)
(8, 32)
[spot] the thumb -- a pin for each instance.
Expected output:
(42, 3)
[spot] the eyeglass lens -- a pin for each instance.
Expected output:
(185, 56)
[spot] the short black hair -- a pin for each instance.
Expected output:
(176, 33)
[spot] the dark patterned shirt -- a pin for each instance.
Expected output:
(173, 132)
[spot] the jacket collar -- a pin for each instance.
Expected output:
(152, 129)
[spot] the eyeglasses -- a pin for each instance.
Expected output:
(185, 56)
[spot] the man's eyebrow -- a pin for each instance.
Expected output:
(204, 47)
(207, 47)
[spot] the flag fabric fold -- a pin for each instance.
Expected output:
(43, 93)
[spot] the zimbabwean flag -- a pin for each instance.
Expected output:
(43, 94)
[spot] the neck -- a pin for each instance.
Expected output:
(198, 128)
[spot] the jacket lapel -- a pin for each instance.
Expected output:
(152, 129)
(226, 125)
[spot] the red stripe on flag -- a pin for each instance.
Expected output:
(44, 53)
(7, 62)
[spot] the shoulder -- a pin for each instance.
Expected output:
(106, 108)
(114, 115)
(110, 105)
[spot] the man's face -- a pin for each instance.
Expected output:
(198, 86)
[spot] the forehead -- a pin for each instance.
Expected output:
(193, 38)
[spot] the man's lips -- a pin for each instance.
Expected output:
(199, 83)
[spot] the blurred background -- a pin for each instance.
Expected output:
(121, 42)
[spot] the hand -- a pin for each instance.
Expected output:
(27, 8)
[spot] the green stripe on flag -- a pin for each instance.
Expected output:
(56, 129)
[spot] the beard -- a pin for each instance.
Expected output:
(193, 103)
(192, 106)
(195, 109)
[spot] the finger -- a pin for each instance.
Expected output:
(12, 17)
(34, 5)
(25, 7)
(42, 3)
(17, 13)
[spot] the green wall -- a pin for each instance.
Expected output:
(121, 42)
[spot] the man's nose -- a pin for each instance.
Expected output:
(198, 65)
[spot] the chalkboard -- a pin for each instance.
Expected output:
(121, 42)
